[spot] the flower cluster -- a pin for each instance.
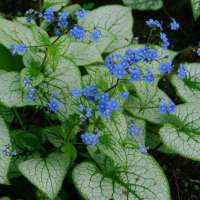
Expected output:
(17, 49)
(133, 130)
(90, 138)
(106, 105)
(30, 90)
(165, 67)
(103, 103)
(182, 73)
(165, 42)
(86, 112)
(6, 150)
(77, 32)
(167, 107)
(127, 64)
(154, 23)
(174, 25)
(61, 20)
(53, 104)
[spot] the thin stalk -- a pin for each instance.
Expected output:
(18, 117)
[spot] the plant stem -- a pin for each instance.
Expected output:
(18, 117)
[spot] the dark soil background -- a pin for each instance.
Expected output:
(183, 174)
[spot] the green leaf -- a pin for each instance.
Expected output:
(147, 97)
(61, 81)
(26, 140)
(70, 151)
(115, 23)
(34, 74)
(78, 52)
(116, 127)
(4, 160)
(33, 58)
(57, 4)
(10, 91)
(141, 124)
(54, 135)
(14, 32)
(195, 8)
(47, 174)
(139, 178)
(144, 4)
(8, 62)
(99, 75)
(5, 198)
(53, 56)
(146, 107)
(7, 114)
(183, 135)
(189, 88)
(153, 141)
(40, 35)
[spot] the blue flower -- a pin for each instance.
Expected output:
(95, 35)
(76, 92)
(106, 106)
(29, 18)
(182, 73)
(13, 154)
(167, 107)
(153, 23)
(90, 92)
(103, 96)
(80, 14)
(90, 138)
(115, 65)
(174, 25)
(133, 56)
(26, 80)
(6, 150)
(62, 19)
(149, 77)
(198, 51)
(83, 118)
(119, 72)
(165, 67)
(77, 32)
(113, 104)
(53, 105)
(17, 49)
(165, 41)
(124, 95)
(143, 148)
(135, 74)
(57, 31)
(49, 14)
(134, 130)
(147, 54)
(31, 94)
(81, 107)
(88, 112)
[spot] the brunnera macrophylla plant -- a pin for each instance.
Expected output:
(100, 90)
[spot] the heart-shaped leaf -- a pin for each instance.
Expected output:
(183, 136)
(4, 159)
(47, 174)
